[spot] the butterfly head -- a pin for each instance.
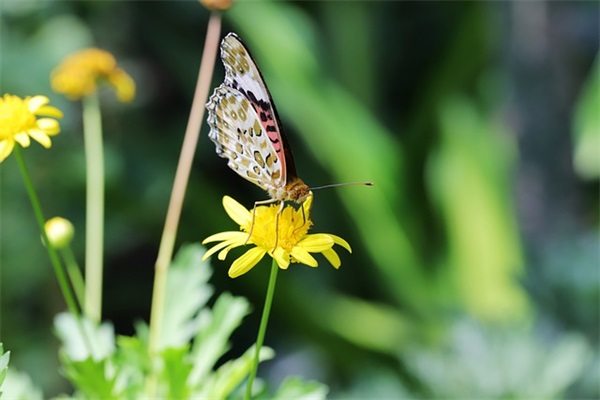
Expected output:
(296, 191)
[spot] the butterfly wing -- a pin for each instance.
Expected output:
(243, 74)
(240, 137)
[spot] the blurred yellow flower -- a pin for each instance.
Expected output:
(216, 5)
(19, 122)
(287, 243)
(78, 74)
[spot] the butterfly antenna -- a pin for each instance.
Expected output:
(342, 184)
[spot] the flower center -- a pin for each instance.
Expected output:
(282, 229)
(15, 117)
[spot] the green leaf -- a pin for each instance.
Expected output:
(186, 293)
(468, 177)
(586, 127)
(216, 327)
(176, 371)
(231, 374)
(85, 355)
(133, 364)
(93, 378)
(18, 386)
(99, 341)
(4, 358)
(296, 388)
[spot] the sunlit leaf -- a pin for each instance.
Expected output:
(92, 378)
(176, 370)
(186, 293)
(98, 341)
(216, 327)
(18, 386)
(231, 374)
(4, 358)
(297, 388)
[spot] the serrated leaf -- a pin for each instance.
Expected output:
(298, 389)
(211, 342)
(93, 378)
(18, 386)
(4, 358)
(176, 371)
(187, 292)
(133, 365)
(230, 375)
(99, 341)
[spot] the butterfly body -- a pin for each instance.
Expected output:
(246, 129)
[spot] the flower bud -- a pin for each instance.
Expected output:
(60, 232)
(216, 5)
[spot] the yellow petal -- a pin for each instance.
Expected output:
(123, 84)
(229, 236)
(281, 257)
(307, 204)
(341, 242)
(236, 211)
(223, 253)
(333, 258)
(304, 257)
(49, 111)
(317, 242)
(48, 125)
(6, 147)
(41, 137)
(218, 247)
(34, 103)
(248, 260)
(23, 139)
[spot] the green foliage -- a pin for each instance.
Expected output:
(185, 370)
(586, 127)
(465, 217)
(19, 386)
(496, 362)
(468, 177)
(4, 358)
(296, 388)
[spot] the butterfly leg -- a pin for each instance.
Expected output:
(256, 204)
(277, 225)
(303, 218)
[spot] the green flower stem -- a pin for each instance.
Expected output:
(182, 174)
(37, 210)
(263, 327)
(94, 232)
(190, 140)
(74, 274)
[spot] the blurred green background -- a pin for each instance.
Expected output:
(476, 263)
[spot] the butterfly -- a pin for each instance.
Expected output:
(246, 129)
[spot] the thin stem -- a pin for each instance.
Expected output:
(39, 215)
(94, 228)
(188, 148)
(263, 327)
(74, 274)
(167, 243)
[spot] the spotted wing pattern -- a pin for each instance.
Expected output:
(245, 126)
(240, 137)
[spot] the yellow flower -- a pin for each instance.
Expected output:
(79, 73)
(19, 122)
(287, 242)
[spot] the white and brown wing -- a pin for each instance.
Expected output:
(239, 136)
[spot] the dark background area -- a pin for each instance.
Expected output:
(475, 265)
